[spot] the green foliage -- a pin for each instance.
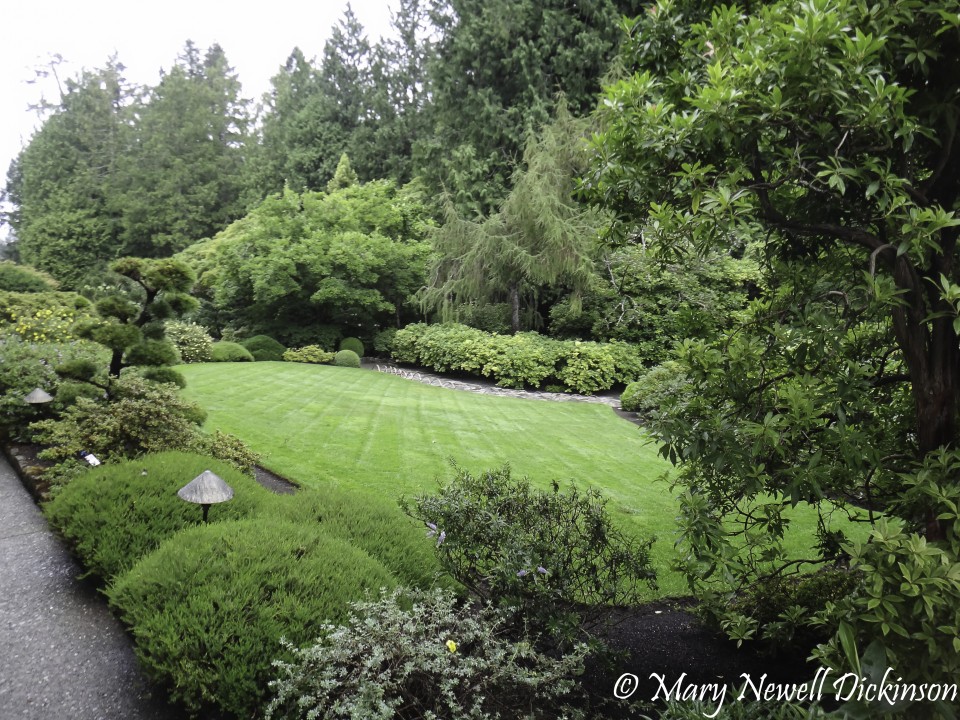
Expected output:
(209, 608)
(352, 343)
(264, 347)
(346, 358)
(192, 341)
(224, 351)
(655, 388)
(367, 521)
(521, 360)
(159, 374)
(343, 177)
(25, 366)
(299, 266)
(383, 341)
(309, 354)
(555, 556)
(23, 278)
(540, 240)
(113, 515)
(139, 417)
(424, 655)
(30, 309)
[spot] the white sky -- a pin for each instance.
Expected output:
(256, 36)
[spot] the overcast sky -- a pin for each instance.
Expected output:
(257, 38)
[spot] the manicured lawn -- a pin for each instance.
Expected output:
(319, 424)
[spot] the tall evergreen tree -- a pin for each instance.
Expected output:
(497, 68)
(62, 182)
(184, 176)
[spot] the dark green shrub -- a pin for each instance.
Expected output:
(229, 352)
(309, 354)
(432, 653)
(207, 610)
(646, 395)
(556, 556)
(139, 417)
(264, 348)
(113, 515)
(164, 374)
(369, 522)
(192, 341)
(24, 278)
(346, 358)
(352, 343)
(383, 341)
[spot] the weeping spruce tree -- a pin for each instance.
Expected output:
(541, 237)
(826, 131)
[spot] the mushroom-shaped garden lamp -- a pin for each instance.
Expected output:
(205, 490)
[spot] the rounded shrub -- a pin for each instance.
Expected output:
(113, 515)
(352, 343)
(653, 389)
(309, 354)
(209, 608)
(264, 348)
(24, 278)
(224, 351)
(369, 522)
(347, 358)
(191, 340)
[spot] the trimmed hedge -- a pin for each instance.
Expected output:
(225, 351)
(352, 343)
(208, 609)
(346, 358)
(309, 354)
(113, 515)
(24, 278)
(264, 348)
(369, 522)
(518, 361)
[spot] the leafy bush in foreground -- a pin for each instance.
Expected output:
(113, 515)
(436, 659)
(549, 554)
(224, 351)
(346, 358)
(209, 608)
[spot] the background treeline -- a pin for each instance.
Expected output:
(469, 120)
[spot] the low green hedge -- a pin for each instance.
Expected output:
(113, 515)
(225, 351)
(522, 360)
(208, 609)
(309, 354)
(369, 522)
(264, 348)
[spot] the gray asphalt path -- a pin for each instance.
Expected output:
(63, 656)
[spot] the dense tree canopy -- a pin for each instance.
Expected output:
(824, 131)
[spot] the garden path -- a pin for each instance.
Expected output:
(488, 388)
(62, 654)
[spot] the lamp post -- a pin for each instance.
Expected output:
(206, 489)
(38, 396)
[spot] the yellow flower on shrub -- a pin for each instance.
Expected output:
(451, 646)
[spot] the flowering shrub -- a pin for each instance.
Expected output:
(309, 354)
(424, 655)
(53, 325)
(549, 554)
(522, 360)
(191, 340)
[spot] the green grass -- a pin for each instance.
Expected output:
(322, 425)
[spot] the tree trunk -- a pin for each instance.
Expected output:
(515, 307)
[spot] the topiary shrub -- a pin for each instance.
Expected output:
(556, 556)
(24, 278)
(191, 340)
(352, 343)
(347, 358)
(207, 610)
(309, 354)
(113, 515)
(224, 351)
(369, 522)
(424, 655)
(264, 348)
